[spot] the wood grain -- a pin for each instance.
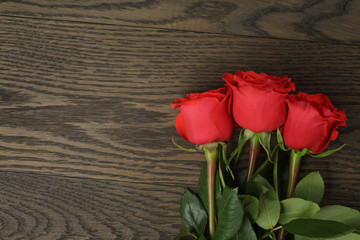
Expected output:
(93, 101)
(328, 20)
(34, 206)
(86, 125)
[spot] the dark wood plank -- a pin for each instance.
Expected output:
(328, 20)
(88, 100)
(34, 206)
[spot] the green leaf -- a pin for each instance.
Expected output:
(294, 208)
(202, 188)
(350, 236)
(315, 228)
(202, 237)
(311, 188)
(246, 231)
(218, 188)
(255, 189)
(251, 206)
(230, 215)
(269, 209)
(185, 232)
(192, 213)
(269, 204)
(240, 179)
(327, 153)
(260, 179)
(341, 214)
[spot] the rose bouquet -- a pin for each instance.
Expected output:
(263, 201)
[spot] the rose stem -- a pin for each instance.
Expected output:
(293, 172)
(294, 167)
(211, 159)
(254, 151)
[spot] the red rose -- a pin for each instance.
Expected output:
(258, 100)
(311, 122)
(204, 117)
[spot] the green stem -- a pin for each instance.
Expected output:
(275, 178)
(270, 234)
(211, 158)
(294, 166)
(281, 234)
(277, 228)
(275, 159)
(254, 151)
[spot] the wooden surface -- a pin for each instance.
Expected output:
(327, 20)
(85, 87)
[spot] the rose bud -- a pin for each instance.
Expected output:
(258, 100)
(204, 117)
(311, 122)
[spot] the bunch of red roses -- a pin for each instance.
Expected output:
(260, 104)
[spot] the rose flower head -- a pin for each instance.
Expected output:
(258, 100)
(204, 117)
(311, 122)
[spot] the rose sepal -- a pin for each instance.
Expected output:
(182, 148)
(306, 150)
(210, 146)
(258, 139)
(302, 152)
(244, 136)
(327, 153)
(264, 139)
(281, 141)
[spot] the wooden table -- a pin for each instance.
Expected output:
(85, 87)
